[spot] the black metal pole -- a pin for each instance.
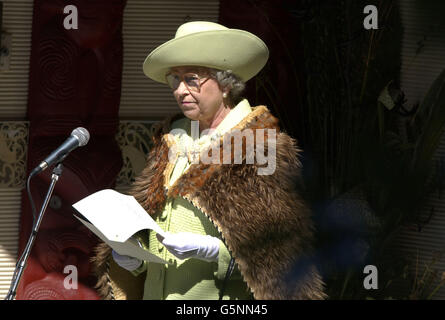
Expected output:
(21, 264)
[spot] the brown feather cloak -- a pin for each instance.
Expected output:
(263, 219)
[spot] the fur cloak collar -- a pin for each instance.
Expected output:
(263, 219)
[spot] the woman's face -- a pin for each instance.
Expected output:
(202, 105)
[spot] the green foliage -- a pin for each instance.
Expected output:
(400, 167)
(360, 135)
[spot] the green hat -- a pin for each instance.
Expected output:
(208, 44)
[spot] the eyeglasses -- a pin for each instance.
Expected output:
(191, 80)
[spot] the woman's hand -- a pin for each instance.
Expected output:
(126, 262)
(185, 245)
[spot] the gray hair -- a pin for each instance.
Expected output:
(227, 79)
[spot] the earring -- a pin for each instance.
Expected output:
(224, 95)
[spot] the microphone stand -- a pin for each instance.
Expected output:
(21, 264)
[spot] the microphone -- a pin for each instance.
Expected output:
(79, 137)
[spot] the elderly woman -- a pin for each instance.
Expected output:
(233, 232)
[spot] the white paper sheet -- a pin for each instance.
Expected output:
(128, 248)
(115, 217)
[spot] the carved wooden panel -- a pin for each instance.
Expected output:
(75, 80)
(13, 149)
(135, 140)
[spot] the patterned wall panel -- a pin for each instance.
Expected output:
(13, 148)
(134, 140)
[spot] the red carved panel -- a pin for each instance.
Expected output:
(75, 80)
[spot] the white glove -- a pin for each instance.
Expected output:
(185, 245)
(126, 262)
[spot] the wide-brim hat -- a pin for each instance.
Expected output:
(208, 44)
